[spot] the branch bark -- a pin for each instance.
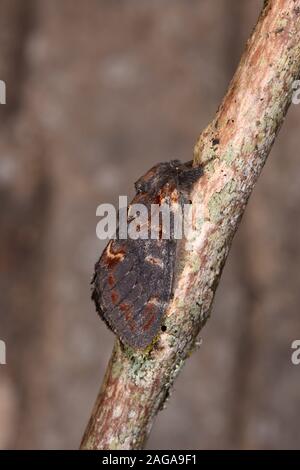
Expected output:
(233, 150)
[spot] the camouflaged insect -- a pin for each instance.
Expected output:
(133, 279)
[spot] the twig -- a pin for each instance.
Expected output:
(233, 148)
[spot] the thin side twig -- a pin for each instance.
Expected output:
(233, 149)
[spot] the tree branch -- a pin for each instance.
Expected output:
(233, 150)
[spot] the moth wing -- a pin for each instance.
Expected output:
(132, 285)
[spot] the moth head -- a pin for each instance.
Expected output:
(141, 186)
(157, 176)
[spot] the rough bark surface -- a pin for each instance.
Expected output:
(233, 148)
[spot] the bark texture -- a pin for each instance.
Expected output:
(233, 150)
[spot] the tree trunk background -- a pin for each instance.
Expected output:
(98, 92)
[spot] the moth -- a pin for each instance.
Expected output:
(133, 279)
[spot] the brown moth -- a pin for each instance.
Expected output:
(133, 279)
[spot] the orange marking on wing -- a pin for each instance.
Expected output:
(149, 310)
(114, 297)
(158, 199)
(111, 280)
(111, 257)
(149, 322)
(126, 309)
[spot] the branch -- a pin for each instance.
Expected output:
(233, 149)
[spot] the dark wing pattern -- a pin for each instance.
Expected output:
(132, 286)
(133, 279)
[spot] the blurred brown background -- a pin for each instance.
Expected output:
(97, 92)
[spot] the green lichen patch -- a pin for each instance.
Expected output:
(220, 200)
